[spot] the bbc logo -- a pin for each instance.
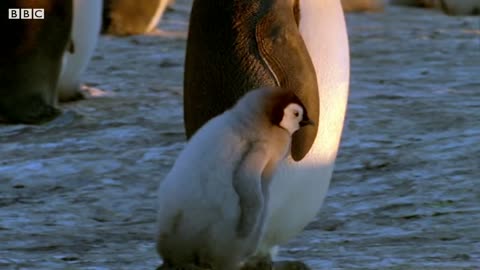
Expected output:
(26, 13)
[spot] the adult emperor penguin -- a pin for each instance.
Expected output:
(31, 58)
(87, 19)
(236, 45)
(211, 204)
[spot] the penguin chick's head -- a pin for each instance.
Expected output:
(294, 117)
(279, 106)
(285, 110)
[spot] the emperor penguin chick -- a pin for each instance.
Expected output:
(212, 203)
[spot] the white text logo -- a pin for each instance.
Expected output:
(26, 13)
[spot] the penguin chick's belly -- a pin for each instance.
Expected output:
(296, 193)
(196, 222)
(198, 206)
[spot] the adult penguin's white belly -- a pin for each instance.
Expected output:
(299, 188)
(87, 18)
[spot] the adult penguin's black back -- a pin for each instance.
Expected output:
(238, 45)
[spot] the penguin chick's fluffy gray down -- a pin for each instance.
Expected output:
(211, 204)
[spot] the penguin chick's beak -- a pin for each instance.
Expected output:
(306, 122)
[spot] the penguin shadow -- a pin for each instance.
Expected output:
(188, 267)
(267, 264)
(259, 265)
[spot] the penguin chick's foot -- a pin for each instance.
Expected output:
(290, 265)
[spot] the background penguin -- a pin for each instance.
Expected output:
(460, 7)
(450, 7)
(87, 19)
(236, 45)
(31, 58)
(415, 3)
(363, 5)
(211, 204)
(127, 17)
